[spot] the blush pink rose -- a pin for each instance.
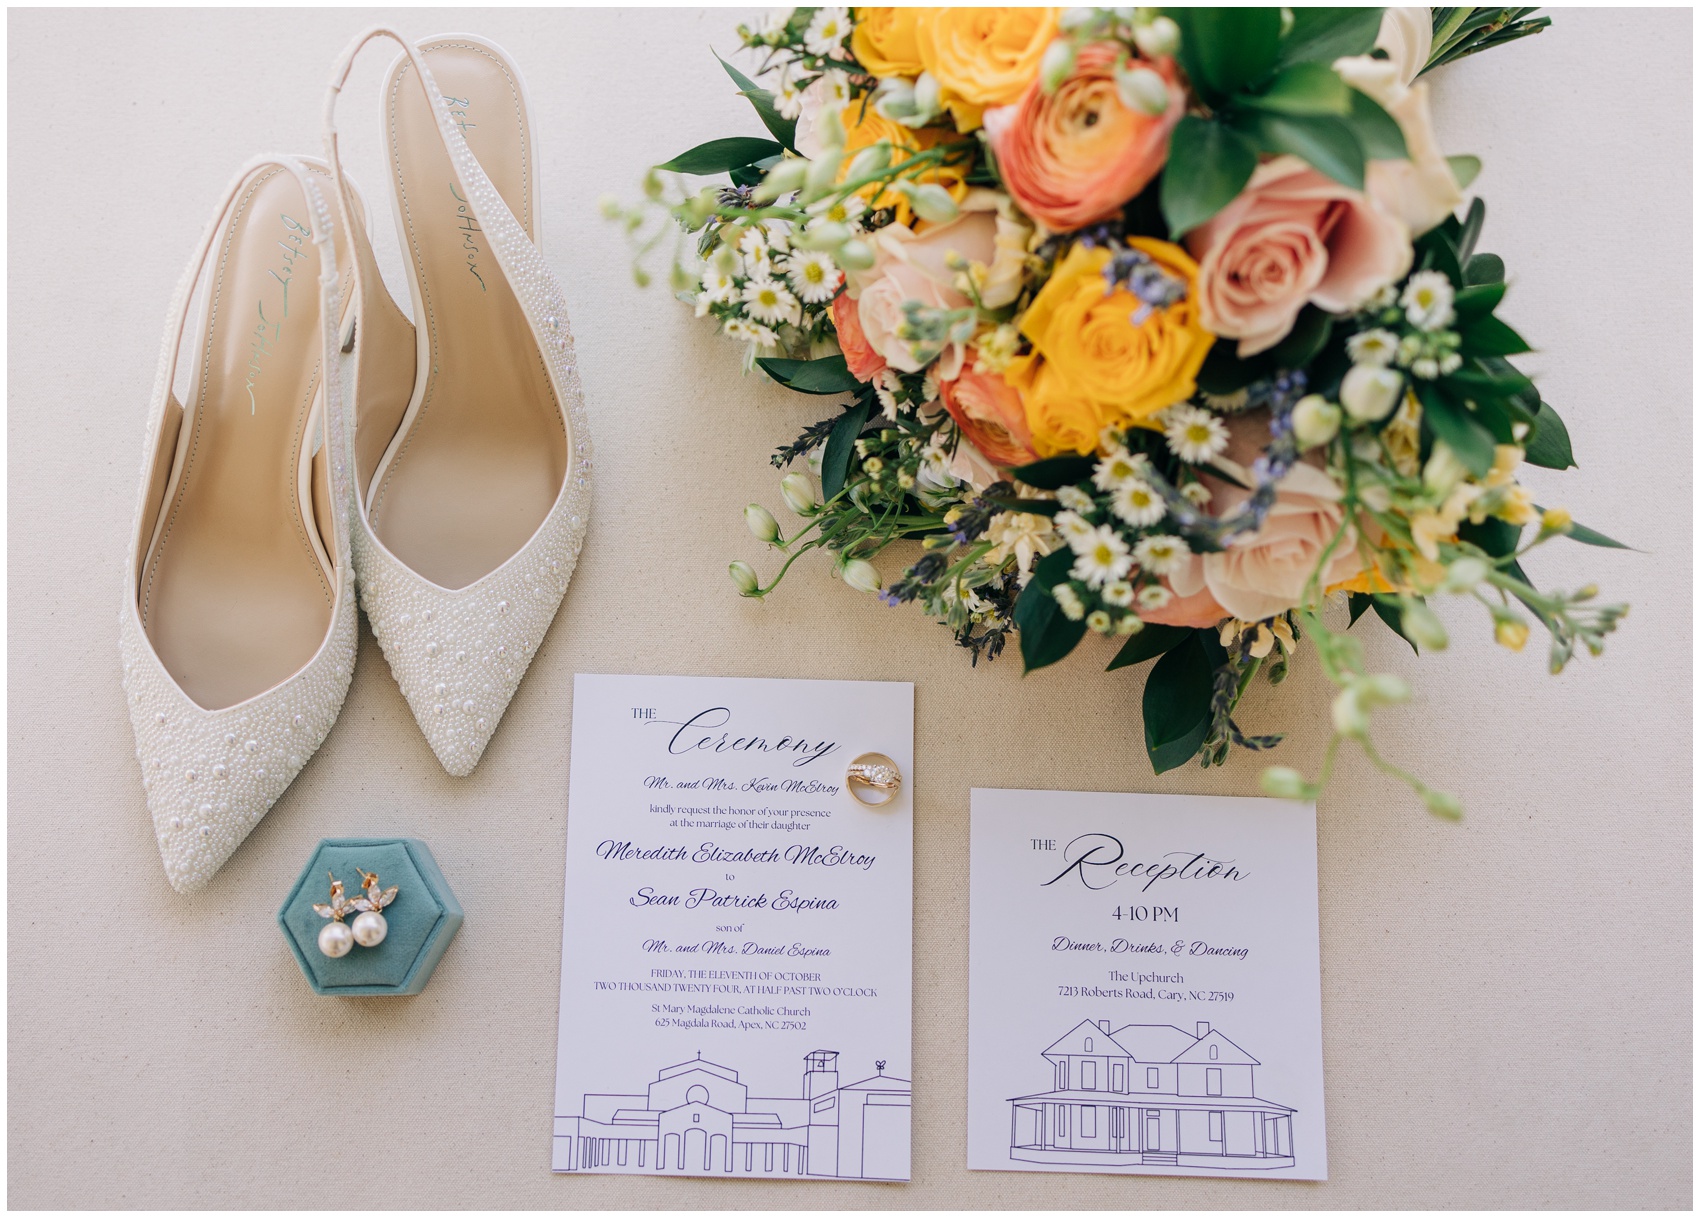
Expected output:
(863, 361)
(1292, 237)
(1263, 573)
(915, 265)
(991, 416)
(1076, 155)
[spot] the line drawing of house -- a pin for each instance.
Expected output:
(1151, 1094)
(697, 1119)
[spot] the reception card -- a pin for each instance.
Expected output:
(1144, 986)
(735, 963)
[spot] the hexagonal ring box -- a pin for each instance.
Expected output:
(422, 920)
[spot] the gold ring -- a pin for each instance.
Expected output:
(874, 772)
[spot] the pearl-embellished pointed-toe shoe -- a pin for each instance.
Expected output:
(237, 631)
(472, 484)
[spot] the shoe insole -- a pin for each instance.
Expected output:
(482, 453)
(237, 593)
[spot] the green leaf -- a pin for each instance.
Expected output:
(1378, 131)
(1436, 251)
(1303, 89)
(1390, 611)
(1464, 169)
(1208, 165)
(1472, 230)
(1225, 50)
(1046, 635)
(1585, 535)
(1549, 443)
(1054, 473)
(841, 446)
(1033, 507)
(1148, 644)
(719, 156)
(1490, 336)
(828, 375)
(1308, 336)
(1485, 268)
(783, 129)
(1325, 34)
(1177, 700)
(1494, 536)
(1326, 143)
(1359, 603)
(1478, 300)
(1450, 421)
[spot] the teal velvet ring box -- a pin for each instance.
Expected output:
(422, 919)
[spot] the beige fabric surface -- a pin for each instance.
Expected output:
(1506, 1002)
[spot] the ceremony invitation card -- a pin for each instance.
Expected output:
(735, 963)
(1144, 986)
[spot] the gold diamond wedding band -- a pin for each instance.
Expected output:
(874, 773)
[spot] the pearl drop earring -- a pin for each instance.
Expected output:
(335, 939)
(370, 926)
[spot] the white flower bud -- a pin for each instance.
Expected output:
(1142, 91)
(744, 576)
(926, 96)
(1465, 573)
(829, 128)
(1382, 689)
(763, 527)
(1443, 470)
(1443, 804)
(798, 493)
(1316, 420)
(782, 179)
(1073, 18)
(1161, 37)
(1370, 394)
(1057, 63)
(895, 99)
(855, 255)
(870, 161)
(822, 175)
(861, 575)
(823, 235)
(1348, 713)
(933, 202)
(817, 454)
(1423, 626)
(1284, 782)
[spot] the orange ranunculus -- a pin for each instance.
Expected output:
(1104, 358)
(885, 40)
(859, 356)
(1076, 155)
(984, 56)
(865, 127)
(991, 416)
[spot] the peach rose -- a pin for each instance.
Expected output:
(863, 361)
(984, 56)
(1077, 155)
(885, 40)
(1292, 237)
(991, 416)
(911, 265)
(1263, 573)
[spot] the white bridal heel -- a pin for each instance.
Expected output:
(472, 487)
(237, 631)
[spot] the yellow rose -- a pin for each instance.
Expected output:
(870, 128)
(884, 41)
(1091, 366)
(984, 56)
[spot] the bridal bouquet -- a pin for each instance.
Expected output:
(1161, 325)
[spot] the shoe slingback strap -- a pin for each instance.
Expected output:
(337, 438)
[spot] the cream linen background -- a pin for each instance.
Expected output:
(1506, 1002)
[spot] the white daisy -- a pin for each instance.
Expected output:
(827, 31)
(1154, 596)
(1068, 600)
(770, 28)
(1373, 347)
(1101, 557)
(886, 387)
(1195, 435)
(1118, 469)
(1075, 499)
(1072, 529)
(1118, 592)
(1138, 503)
(1161, 554)
(767, 300)
(719, 286)
(813, 276)
(1099, 620)
(1197, 494)
(847, 211)
(788, 97)
(1428, 300)
(755, 255)
(747, 331)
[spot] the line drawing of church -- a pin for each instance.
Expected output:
(697, 1119)
(1151, 1094)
